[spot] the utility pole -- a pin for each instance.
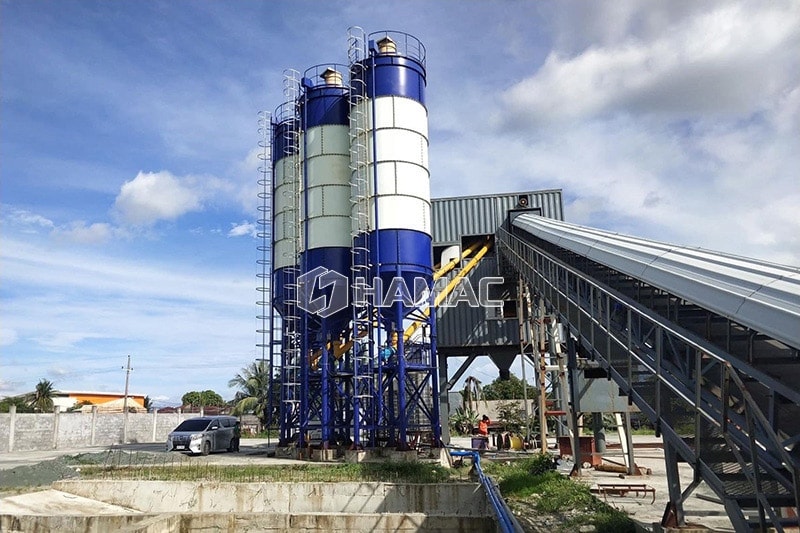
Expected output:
(127, 369)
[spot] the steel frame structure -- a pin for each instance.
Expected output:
(697, 395)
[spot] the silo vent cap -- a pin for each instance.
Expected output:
(332, 77)
(387, 46)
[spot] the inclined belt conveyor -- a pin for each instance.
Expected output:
(722, 390)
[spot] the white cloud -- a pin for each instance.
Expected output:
(8, 387)
(80, 232)
(685, 130)
(243, 178)
(93, 308)
(730, 60)
(8, 336)
(244, 228)
(154, 196)
(25, 220)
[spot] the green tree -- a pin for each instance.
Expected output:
(253, 393)
(508, 389)
(511, 416)
(23, 404)
(202, 398)
(463, 420)
(472, 393)
(78, 406)
(42, 400)
(148, 403)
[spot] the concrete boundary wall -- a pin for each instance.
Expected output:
(65, 430)
(445, 499)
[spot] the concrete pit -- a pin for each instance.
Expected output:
(165, 507)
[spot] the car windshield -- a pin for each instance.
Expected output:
(192, 425)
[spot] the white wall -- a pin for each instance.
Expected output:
(60, 430)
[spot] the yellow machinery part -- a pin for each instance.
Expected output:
(341, 348)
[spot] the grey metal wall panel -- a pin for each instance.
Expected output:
(464, 326)
(456, 217)
(481, 215)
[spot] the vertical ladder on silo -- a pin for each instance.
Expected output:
(291, 395)
(269, 323)
(363, 350)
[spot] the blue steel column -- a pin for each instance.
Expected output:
(326, 413)
(434, 361)
(402, 415)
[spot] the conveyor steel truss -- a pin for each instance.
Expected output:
(695, 394)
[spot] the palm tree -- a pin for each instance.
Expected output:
(42, 400)
(253, 393)
(472, 393)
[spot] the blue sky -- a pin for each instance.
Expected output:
(128, 144)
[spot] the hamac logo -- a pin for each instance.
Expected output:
(327, 302)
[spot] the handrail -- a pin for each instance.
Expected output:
(764, 439)
(707, 349)
(508, 524)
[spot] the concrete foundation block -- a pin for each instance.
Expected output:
(285, 452)
(355, 456)
(323, 455)
(395, 456)
(441, 456)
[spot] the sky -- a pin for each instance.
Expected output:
(129, 159)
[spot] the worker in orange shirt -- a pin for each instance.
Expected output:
(483, 425)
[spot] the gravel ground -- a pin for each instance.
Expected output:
(27, 477)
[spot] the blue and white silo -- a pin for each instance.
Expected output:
(392, 76)
(325, 192)
(285, 200)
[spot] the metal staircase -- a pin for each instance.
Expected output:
(698, 396)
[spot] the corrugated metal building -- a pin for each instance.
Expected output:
(477, 331)
(460, 221)
(459, 216)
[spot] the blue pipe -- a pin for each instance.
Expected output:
(501, 510)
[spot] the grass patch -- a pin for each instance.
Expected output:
(533, 481)
(380, 472)
(265, 434)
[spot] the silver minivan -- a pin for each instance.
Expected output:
(205, 434)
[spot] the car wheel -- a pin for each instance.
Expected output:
(206, 448)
